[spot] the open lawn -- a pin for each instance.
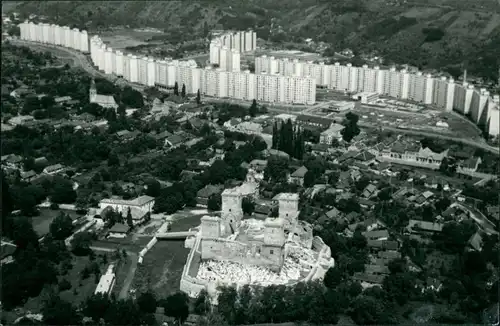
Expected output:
(123, 38)
(161, 269)
(41, 223)
(162, 266)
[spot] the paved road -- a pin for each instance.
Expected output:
(484, 223)
(464, 141)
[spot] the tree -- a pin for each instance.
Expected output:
(183, 91)
(202, 303)
(31, 103)
(62, 191)
(61, 227)
(113, 159)
(214, 202)
(130, 221)
(124, 312)
(56, 311)
(309, 179)
(333, 277)
(176, 306)
(368, 311)
(80, 243)
(153, 188)
(198, 97)
(23, 233)
(351, 128)
(247, 205)
(276, 135)
(176, 89)
(96, 306)
(253, 109)
(147, 302)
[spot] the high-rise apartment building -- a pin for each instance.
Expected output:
(151, 72)
(119, 64)
(463, 98)
(443, 93)
(108, 61)
(134, 68)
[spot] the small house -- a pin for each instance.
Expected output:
(53, 169)
(297, 177)
(118, 230)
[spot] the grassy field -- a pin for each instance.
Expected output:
(123, 38)
(162, 266)
(41, 223)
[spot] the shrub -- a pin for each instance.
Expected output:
(64, 285)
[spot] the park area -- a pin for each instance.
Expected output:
(162, 267)
(77, 280)
(41, 223)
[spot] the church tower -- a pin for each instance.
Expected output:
(92, 92)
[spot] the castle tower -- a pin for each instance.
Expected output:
(92, 92)
(210, 227)
(289, 209)
(231, 210)
(273, 248)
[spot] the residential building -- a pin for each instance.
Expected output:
(119, 231)
(297, 177)
(53, 169)
(334, 132)
(313, 121)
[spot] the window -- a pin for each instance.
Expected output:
(271, 252)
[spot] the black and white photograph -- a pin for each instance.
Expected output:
(250, 163)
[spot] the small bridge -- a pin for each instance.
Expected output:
(175, 235)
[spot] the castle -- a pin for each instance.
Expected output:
(230, 250)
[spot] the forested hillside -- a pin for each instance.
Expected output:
(427, 34)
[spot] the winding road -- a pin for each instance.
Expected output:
(83, 61)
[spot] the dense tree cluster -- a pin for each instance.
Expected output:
(288, 139)
(351, 128)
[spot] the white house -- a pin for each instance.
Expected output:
(139, 207)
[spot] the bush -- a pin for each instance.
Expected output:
(64, 285)
(54, 206)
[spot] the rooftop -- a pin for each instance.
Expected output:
(299, 173)
(334, 129)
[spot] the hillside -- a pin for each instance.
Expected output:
(427, 34)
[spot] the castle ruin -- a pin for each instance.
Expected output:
(230, 250)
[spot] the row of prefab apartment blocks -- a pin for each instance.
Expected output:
(276, 80)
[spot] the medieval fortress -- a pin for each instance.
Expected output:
(230, 250)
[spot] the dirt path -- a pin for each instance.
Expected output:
(130, 276)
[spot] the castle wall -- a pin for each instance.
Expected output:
(237, 252)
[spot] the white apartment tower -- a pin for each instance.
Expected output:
(151, 66)
(134, 68)
(443, 93)
(108, 61)
(463, 98)
(119, 64)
